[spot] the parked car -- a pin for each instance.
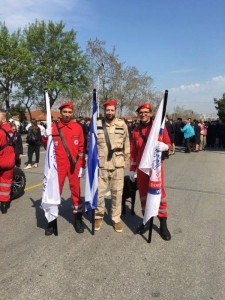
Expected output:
(18, 184)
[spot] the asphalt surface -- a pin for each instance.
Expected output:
(112, 265)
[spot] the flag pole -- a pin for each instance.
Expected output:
(150, 230)
(93, 222)
(97, 98)
(164, 105)
(163, 116)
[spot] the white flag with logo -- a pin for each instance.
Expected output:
(151, 165)
(51, 194)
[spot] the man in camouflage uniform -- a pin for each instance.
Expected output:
(114, 154)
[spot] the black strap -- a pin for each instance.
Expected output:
(108, 143)
(10, 141)
(142, 135)
(72, 161)
(107, 140)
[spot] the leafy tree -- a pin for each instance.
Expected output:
(18, 109)
(13, 60)
(220, 106)
(59, 64)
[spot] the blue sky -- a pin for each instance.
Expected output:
(179, 43)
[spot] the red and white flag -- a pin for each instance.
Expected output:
(151, 165)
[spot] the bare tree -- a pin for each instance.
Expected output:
(116, 81)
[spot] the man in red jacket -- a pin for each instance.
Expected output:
(7, 162)
(68, 141)
(139, 138)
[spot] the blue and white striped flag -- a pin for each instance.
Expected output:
(151, 165)
(91, 188)
(50, 195)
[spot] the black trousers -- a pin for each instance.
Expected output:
(187, 144)
(33, 148)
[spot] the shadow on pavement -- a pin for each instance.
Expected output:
(40, 216)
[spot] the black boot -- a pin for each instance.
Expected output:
(78, 224)
(4, 207)
(142, 228)
(164, 232)
(52, 228)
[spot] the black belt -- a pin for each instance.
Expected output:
(110, 154)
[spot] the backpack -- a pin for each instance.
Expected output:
(10, 139)
(32, 137)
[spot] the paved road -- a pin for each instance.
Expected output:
(113, 265)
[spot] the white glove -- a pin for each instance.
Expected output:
(132, 176)
(48, 132)
(160, 146)
(81, 172)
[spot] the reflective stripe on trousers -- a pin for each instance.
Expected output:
(6, 177)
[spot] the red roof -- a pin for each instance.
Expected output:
(41, 115)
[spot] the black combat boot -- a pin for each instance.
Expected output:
(78, 224)
(164, 232)
(52, 228)
(4, 207)
(143, 228)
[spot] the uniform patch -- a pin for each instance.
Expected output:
(56, 143)
(76, 142)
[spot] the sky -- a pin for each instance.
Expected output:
(179, 43)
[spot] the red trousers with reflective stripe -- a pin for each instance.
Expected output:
(143, 183)
(74, 182)
(6, 177)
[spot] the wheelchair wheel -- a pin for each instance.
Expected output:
(18, 184)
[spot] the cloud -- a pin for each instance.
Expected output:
(17, 14)
(219, 79)
(198, 96)
(215, 83)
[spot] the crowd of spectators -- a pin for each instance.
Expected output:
(205, 134)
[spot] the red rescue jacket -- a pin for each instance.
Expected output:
(138, 144)
(7, 154)
(74, 137)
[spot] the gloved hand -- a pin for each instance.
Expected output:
(48, 132)
(81, 172)
(160, 146)
(132, 176)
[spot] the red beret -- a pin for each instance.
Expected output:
(144, 105)
(110, 103)
(67, 104)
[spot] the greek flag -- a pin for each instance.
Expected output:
(151, 165)
(50, 195)
(91, 188)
